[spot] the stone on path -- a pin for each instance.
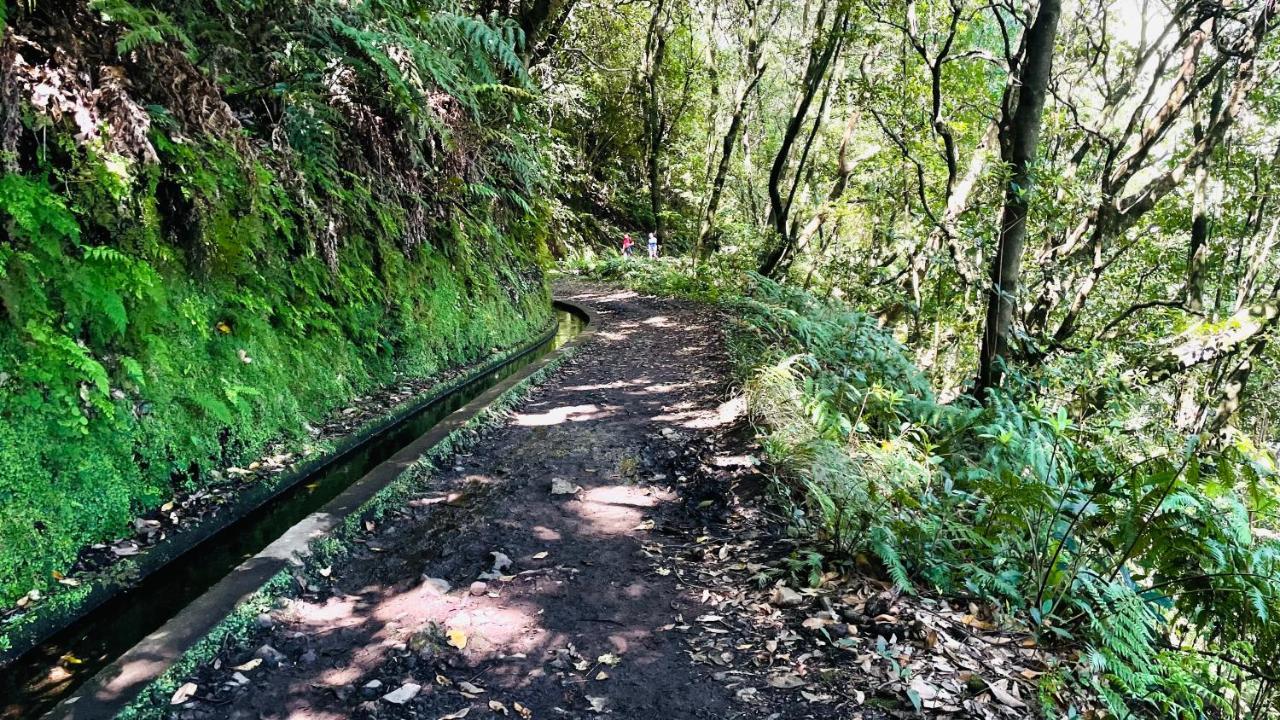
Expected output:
(403, 694)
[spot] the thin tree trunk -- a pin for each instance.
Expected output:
(844, 169)
(654, 55)
(1020, 136)
(822, 52)
(756, 67)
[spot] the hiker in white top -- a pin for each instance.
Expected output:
(653, 246)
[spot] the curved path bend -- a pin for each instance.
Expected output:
(589, 618)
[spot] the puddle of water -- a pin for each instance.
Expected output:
(34, 683)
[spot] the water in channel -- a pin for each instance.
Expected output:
(35, 682)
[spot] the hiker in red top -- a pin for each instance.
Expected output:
(626, 245)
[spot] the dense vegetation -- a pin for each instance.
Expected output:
(1006, 272)
(1007, 280)
(222, 221)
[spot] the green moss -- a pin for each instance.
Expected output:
(237, 253)
(126, 372)
(235, 631)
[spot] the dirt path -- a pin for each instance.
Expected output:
(592, 616)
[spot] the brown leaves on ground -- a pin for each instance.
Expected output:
(854, 647)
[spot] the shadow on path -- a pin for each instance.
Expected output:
(583, 622)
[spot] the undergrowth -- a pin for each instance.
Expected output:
(256, 213)
(1153, 559)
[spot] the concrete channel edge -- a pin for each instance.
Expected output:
(114, 687)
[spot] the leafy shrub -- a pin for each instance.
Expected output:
(1159, 559)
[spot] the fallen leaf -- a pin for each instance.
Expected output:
(1004, 696)
(184, 693)
(973, 621)
(456, 715)
(816, 622)
(124, 550)
(609, 659)
(602, 675)
(541, 555)
(784, 596)
(924, 689)
(524, 711)
(786, 681)
(598, 704)
(467, 687)
(458, 639)
(497, 707)
(251, 665)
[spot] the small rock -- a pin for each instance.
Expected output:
(309, 658)
(435, 586)
(403, 694)
(479, 587)
(501, 562)
(265, 621)
(560, 486)
(270, 656)
(784, 596)
(240, 679)
(371, 689)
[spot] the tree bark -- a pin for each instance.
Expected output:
(821, 53)
(1020, 137)
(654, 54)
(1208, 341)
(756, 67)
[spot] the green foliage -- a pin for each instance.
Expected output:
(1154, 560)
(167, 315)
(667, 276)
(143, 25)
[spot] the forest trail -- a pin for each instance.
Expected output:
(594, 614)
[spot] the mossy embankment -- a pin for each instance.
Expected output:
(220, 226)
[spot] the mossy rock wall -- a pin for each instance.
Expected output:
(204, 248)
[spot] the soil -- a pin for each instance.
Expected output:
(608, 550)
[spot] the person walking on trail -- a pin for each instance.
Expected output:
(627, 242)
(653, 246)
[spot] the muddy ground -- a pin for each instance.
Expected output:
(607, 551)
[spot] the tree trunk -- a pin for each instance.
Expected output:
(823, 50)
(1208, 341)
(756, 67)
(547, 32)
(1020, 136)
(654, 55)
(844, 169)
